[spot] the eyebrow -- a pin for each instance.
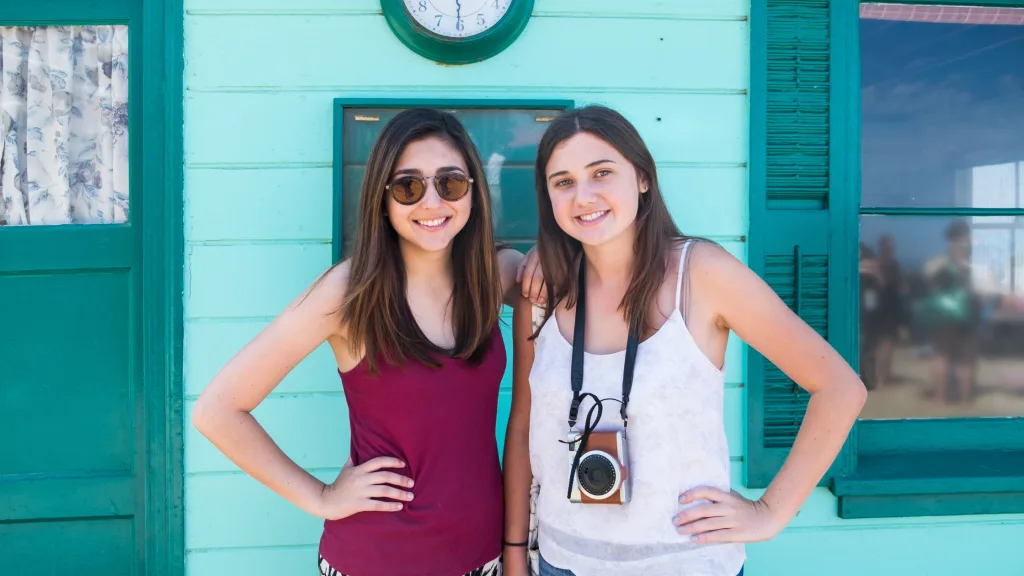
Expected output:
(592, 164)
(440, 170)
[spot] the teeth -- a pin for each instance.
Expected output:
(593, 216)
(433, 223)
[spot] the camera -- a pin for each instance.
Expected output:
(603, 475)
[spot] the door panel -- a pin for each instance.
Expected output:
(70, 363)
(95, 546)
(71, 381)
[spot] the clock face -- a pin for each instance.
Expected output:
(457, 18)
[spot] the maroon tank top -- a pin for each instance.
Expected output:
(441, 423)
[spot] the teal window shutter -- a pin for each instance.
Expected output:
(797, 223)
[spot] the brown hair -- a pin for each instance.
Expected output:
(375, 309)
(656, 233)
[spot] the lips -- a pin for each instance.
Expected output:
(591, 217)
(434, 223)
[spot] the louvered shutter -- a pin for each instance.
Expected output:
(793, 198)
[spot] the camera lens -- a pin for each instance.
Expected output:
(597, 474)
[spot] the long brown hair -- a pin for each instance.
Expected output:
(375, 309)
(656, 233)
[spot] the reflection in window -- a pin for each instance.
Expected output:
(942, 327)
(942, 293)
(63, 125)
(506, 139)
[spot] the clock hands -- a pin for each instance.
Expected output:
(458, 9)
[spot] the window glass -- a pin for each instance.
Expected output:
(941, 276)
(507, 140)
(63, 125)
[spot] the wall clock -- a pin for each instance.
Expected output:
(457, 31)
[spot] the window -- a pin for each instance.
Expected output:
(942, 161)
(63, 125)
(505, 133)
(887, 208)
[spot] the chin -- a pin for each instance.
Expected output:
(429, 245)
(592, 235)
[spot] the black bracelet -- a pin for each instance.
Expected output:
(507, 543)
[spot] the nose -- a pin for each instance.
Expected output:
(585, 194)
(431, 197)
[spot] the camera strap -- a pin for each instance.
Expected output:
(576, 374)
(576, 371)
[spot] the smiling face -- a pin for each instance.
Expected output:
(594, 190)
(432, 223)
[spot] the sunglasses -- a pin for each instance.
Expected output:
(408, 189)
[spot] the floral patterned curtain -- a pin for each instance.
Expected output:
(63, 125)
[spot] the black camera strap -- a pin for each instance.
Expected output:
(576, 371)
(576, 374)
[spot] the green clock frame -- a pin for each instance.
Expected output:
(457, 50)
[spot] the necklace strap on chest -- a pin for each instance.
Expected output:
(576, 370)
(579, 329)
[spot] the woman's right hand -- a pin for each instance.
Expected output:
(357, 488)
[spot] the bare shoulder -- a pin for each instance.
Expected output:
(710, 262)
(718, 278)
(321, 302)
(333, 284)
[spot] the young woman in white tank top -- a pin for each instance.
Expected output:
(600, 204)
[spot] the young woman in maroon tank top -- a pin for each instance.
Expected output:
(412, 319)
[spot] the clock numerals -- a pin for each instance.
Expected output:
(456, 31)
(457, 23)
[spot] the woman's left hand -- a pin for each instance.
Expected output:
(531, 278)
(726, 517)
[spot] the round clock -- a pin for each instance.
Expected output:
(457, 31)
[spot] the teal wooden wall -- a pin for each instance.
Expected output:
(260, 77)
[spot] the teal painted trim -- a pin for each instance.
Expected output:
(757, 466)
(911, 211)
(981, 3)
(879, 437)
(457, 50)
(171, 529)
(338, 178)
(844, 194)
(908, 506)
(947, 483)
(66, 12)
(448, 103)
(159, 73)
(341, 104)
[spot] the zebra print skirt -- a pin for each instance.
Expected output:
(492, 568)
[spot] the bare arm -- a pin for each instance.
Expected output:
(517, 471)
(223, 412)
(749, 307)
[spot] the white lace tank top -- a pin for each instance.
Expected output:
(676, 439)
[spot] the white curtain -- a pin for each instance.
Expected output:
(63, 125)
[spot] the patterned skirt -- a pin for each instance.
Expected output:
(492, 568)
